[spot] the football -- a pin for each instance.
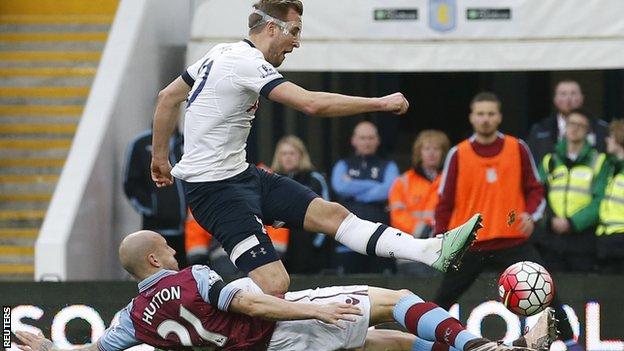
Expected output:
(526, 288)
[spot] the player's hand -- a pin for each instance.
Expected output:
(395, 103)
(526, 224)
(161, 172)
(32, 342)
(335, 312)
(560, 225)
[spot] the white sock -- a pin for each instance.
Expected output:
(354, 233)
(376, 239)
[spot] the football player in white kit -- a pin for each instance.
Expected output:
(231, 198)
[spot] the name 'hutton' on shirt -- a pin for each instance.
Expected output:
(164, 295)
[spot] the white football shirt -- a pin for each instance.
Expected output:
(226, 84)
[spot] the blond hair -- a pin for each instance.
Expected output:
(429, 135)
(616, 129)
(274, 8)
(305, 164)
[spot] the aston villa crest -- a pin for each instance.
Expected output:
(442, 15)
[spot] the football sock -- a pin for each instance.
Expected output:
(424, 345)
(432, 323)
(376, 239)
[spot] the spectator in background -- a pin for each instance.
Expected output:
(163, 210)
(611, 226)
(545, 134)
(575, 175)
(492, 174)
(361, 183)
(414, 195)
(306, 253)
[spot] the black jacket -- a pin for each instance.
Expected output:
(308, 253)
(163, 209)
(544, 136)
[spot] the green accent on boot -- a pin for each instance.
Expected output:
(456, 242)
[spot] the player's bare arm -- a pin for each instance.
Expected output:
(324, 104)
(165, 120)
(32, 342)
(273, 308)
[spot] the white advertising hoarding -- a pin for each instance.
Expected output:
(435, 35)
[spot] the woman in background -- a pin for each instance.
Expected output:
(414, 195)
(305, 253)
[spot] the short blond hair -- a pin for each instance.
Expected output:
(305, 164)
(616, 129)
(274, 8)
(429, 135)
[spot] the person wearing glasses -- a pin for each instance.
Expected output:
(575, 176)
(231, 198)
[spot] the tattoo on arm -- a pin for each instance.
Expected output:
(47, 345)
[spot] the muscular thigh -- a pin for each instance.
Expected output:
(230, 211)
(284, 200)
(382, 303)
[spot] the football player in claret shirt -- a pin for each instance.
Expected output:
(194, 308)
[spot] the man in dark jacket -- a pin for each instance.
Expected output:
(545, 134)
(362, 183)
(162, 209)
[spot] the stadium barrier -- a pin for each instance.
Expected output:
(88, 213)
(76, 312)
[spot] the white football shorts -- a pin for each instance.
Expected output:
(314, 335)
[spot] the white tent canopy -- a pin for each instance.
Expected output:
(435, 35)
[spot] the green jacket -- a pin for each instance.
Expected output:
(612, 246)
(617, 165)
(587, 218)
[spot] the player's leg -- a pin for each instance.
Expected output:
(437, 330)
(272, 278)
(230, 211)
(424, 319)
(455, 283)
(538, 338)
(383, 340)
(375, 239)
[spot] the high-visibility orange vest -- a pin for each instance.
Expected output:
(412, 200)
(491, 186)
(197, 239)
(279, 237)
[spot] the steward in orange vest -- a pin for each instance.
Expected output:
(414, 195)
(492, 174)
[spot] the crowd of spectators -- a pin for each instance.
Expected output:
(557, 199)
